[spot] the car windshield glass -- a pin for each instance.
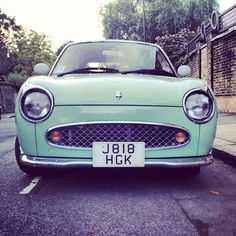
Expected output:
(112, 57)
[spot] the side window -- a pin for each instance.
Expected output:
(161, 63)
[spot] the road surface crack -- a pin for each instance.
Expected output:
(200, 226)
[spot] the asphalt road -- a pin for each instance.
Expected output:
(114, 202)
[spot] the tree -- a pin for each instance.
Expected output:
(122, 19)
(161, 18)
(175, 45)
(20, 50)
(8, 35)
(198, 11)
(32, 48)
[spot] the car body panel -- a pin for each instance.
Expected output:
(78, 114)
(101, 89)
(25, 132)
(207, 135)
(92, 98)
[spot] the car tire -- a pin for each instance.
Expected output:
(33, 171)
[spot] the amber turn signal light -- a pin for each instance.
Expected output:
(180, 137)
(55, 136)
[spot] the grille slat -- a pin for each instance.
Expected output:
(83, 135)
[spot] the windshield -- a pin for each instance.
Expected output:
(112, 57)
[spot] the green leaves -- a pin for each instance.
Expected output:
(32, 48)
(21, 49)
(8, 29)
(122, 19)
(170, 23)
(175, 45)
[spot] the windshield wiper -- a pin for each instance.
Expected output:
(90, 70)
(149, 72)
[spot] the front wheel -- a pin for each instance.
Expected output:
(25, 168)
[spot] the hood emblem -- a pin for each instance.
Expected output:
(118, 95)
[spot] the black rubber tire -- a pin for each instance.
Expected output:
(33, 171)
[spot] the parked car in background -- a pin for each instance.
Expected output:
(114, 103)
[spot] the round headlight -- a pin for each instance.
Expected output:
(198, 106)
(36, 104)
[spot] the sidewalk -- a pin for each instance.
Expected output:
(225, 142)
(7, 115)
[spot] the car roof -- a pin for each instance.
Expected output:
(115, 41)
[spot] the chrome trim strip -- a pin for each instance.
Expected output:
(205, 91)
(117, 122)
(36, 87)
(70, 162)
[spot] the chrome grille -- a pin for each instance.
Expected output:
(83, 135)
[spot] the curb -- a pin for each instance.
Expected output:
(7, 116)
(226, 157)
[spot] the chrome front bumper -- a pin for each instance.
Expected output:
(75, 162)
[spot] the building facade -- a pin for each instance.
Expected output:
(212, 57)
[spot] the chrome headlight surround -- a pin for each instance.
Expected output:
(36, 104)
(204, 107)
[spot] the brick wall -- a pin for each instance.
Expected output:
(204, 65)
(224, 65)
(214, 60)
(193, 62)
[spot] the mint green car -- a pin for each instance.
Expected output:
(114, 103)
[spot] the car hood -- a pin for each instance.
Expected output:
(101, 89)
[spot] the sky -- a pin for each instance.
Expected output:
(76, 20)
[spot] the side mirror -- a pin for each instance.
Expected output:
(184, 70)
(41, 69)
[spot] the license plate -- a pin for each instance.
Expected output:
(118, 154)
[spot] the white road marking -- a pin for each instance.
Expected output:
(30, 187)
